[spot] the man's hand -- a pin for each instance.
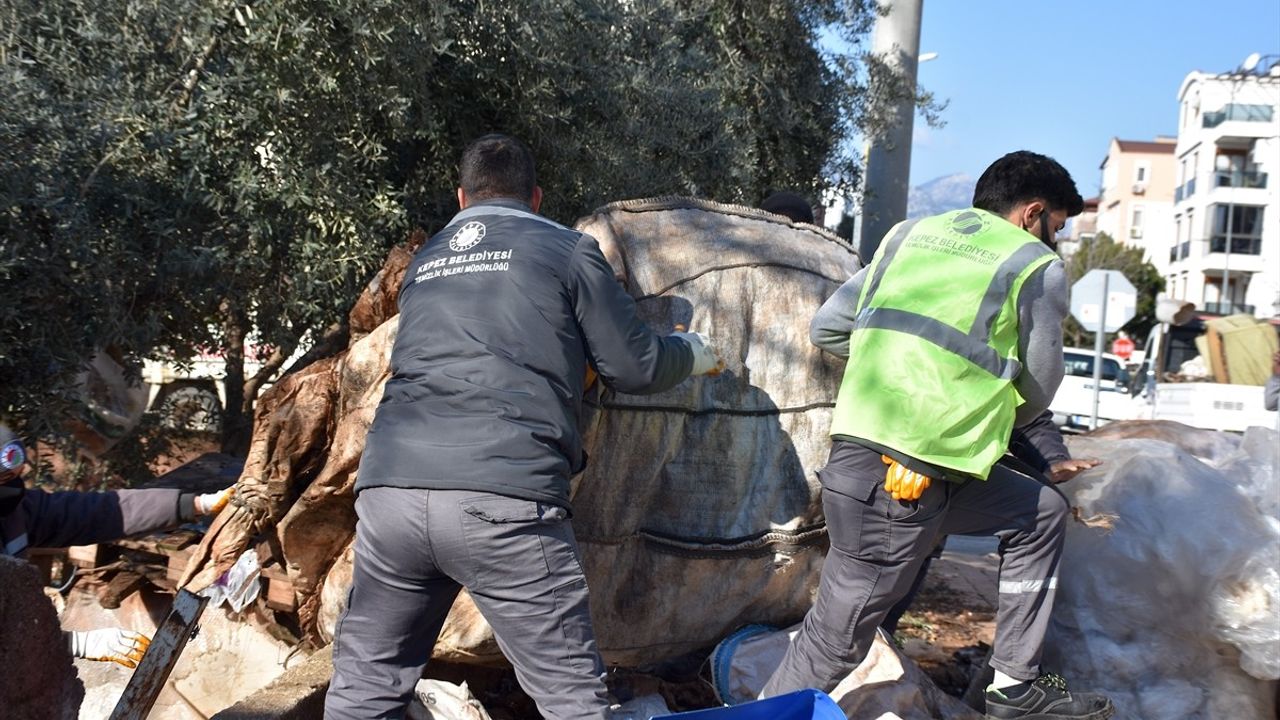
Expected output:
(212, 503)
(1064, 470)
(901, 483)
(109, 645)
(706, 361)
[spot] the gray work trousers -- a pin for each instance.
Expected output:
(878, 544)
(519, 561)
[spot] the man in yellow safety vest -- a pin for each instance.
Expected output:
(953, 335)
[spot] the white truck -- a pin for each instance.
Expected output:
(1206, 404)
(187, 397)
(1159, 389)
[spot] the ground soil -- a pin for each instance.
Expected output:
(947, 632)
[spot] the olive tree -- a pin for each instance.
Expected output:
(187, 175)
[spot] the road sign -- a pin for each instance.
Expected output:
(1103, 297)
(1102, 300)
(1122, 347)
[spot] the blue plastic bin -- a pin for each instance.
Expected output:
(802, 705)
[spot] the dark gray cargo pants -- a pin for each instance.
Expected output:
(519, 561)
(878, 544)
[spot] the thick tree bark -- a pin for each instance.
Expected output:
(237, 426)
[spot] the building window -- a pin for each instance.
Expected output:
(1232, 169)
(1244, 228)
(1140, 174)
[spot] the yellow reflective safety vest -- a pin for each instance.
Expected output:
(934, 347)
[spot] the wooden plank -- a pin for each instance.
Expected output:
(166, 647)
(275, 572)
(120, 586)
(154, 544)
(1217, 360)
(176, 540)
(42, 559)
(85, 555)
(280, 596)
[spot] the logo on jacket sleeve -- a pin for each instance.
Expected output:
(12, 456)
(467, 236)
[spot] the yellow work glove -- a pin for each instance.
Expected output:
(902, 483)
(212, 503)
(109, 645)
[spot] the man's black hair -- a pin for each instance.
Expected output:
(1024, 176)
(790, 205)
(496, 166)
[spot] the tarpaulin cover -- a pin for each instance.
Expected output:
(1174, 613)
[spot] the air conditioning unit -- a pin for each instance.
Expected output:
(1139, 188)
(1135, 232)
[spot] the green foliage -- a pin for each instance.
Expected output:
(182, 175)
(1102, 252)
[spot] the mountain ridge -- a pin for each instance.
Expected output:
(948, 192)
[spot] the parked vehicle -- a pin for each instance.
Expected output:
(1173, 381)
(1072, 406)
(1164, 392)
(191, 396)
(187, 397)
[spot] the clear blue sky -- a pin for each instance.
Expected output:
(1063, 77)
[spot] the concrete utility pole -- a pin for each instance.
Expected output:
(888, 171)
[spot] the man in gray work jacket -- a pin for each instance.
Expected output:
(31, 518)
(464, 481)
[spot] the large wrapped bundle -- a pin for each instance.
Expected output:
(699, 510)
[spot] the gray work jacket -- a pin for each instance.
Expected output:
(61, 519)
(500, 314)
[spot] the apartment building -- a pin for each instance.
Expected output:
(1135, 204)
(1224, 253)
(1081, 227)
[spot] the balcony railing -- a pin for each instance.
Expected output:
(1238, 112)
(1239, 245)
(1173, 254)
(1227, 308)
(1177, 194)
(1239, 179)
(1188, 189)
(1185, 249)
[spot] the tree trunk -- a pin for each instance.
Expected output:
(237, 425)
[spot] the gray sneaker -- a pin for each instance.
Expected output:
(1046, 699)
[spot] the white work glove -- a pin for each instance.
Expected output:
(212, 503)
(109, 645)
(706, 361)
